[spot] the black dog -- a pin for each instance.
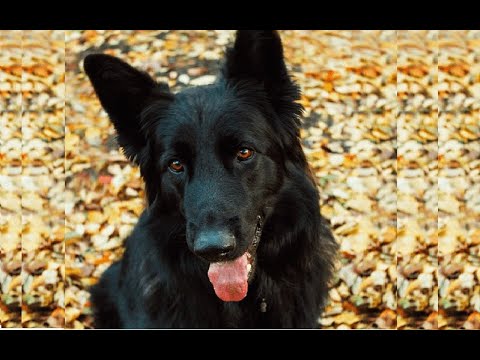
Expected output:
(232, 236)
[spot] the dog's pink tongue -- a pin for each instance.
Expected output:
(230, 278)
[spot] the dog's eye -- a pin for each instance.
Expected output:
(244, 154)
(175, 166)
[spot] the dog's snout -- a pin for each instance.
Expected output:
(214, 245)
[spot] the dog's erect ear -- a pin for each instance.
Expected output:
(124, 93)
(258, 55)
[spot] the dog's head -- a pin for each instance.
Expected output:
(214, 154)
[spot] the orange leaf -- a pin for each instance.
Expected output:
(458, 70)
(105, 258)
(90, 34)
(415, 70)
(349, 307)
(369, 71)
(58, 312)
(105, 179)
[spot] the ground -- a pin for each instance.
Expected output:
(391, 131)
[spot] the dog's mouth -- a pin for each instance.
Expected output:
(230, 278)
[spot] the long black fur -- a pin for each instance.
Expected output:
(160, 282)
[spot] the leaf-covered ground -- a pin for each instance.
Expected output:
(32, 181)
(391, 131)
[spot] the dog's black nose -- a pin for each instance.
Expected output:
(213, 245)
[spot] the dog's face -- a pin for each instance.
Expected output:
(216, 159)
(215, 154)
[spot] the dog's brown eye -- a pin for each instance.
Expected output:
(244, 154)
(175, 166)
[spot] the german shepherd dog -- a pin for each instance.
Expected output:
(232, 236)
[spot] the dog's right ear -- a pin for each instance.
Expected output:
(124, 93)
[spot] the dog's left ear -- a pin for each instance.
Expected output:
(258, 55)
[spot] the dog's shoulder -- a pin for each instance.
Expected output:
(105, 307)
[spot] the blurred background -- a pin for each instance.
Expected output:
(391, 131)
(32, 178)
